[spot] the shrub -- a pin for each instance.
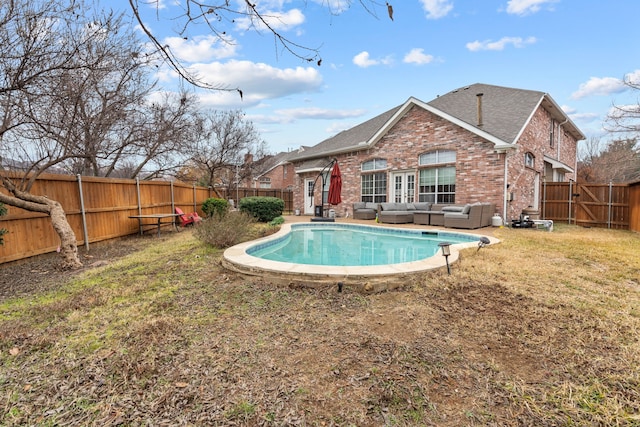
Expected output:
(277, 221)
(214, 205)
(223, 231)
(263, 209)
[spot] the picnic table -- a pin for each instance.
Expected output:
(158, 220)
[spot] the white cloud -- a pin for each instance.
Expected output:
(633, 77)
(526, 7)
(201, 48)
(279, 21)
(319, 113)
(417, 56)
(363, 60)
(437, 8)
(257, 81)
(599, 86)
(501, 44)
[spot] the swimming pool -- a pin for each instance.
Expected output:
(353, 245)
(367, 278)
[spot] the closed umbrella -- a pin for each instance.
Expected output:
(335, 186)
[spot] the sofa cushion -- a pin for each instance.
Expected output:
(359, 205)
(466, 208)
(458, 215)
(452, 208)
(422, 206)
(393, 206)
(371, 205)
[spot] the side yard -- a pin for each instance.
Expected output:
(542, 329)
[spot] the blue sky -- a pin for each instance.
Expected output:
(578, 51)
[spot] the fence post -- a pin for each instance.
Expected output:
(195, 201)
(173, 203)
(544, 198)
(138, 194)
(570, 200)
(83, 213)
(609, 207)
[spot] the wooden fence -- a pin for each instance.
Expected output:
(591, 205)
(238, 194)
(97, 209)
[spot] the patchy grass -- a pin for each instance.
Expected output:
(542, 329)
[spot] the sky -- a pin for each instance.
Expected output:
(577, 51)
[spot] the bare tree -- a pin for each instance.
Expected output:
(618, 162)
(625, 118)
(67, 80)
(220, 15)
(226, 141)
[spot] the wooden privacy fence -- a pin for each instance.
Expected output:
(238, 194)
(97, 209)
(590, 205)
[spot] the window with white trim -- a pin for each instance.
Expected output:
(529, 160)
(437, 177)
(374, 184)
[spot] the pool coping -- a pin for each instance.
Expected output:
(237, 258)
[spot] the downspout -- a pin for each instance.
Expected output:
(505, 189)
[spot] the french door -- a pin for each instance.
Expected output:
(403, 188)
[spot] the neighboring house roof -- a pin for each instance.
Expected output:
(505, 114)
(269, 163)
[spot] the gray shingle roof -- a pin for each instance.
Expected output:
(505, 113)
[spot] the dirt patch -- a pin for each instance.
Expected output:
(42, 272)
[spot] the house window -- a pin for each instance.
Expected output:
(374, 184)
(265, 182)
(437, 180)
(552, 133)
(375, 164)
(529, 160)
(374, 187)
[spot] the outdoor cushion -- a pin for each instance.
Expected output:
(422, 206)
(359, 205)
(371, 205)
(453, 208)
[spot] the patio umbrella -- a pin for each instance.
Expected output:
(335, 186)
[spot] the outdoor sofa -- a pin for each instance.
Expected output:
(365, 210)
(400, 213)
(474, 215)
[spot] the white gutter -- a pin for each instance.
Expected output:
(505, 190)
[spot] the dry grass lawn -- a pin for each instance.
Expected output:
(540, 330)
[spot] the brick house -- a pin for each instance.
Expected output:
(272, 171)
(479, 143)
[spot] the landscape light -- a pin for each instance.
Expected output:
(484, 241)
(446, 251)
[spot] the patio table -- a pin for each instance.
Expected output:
(158, 221)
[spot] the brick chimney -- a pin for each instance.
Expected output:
(479, 96)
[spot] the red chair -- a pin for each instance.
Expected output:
(188, 219)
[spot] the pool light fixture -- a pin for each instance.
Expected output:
(446, 251)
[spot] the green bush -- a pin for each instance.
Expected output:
(263, 209)
(277, 221)
(214, 205)
(223, 231)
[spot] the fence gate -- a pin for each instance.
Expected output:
(587, 205)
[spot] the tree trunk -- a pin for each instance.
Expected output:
(33, 203)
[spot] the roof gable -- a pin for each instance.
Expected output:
(505, 112)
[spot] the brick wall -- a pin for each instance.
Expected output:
(479, 169)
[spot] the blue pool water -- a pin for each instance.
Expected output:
(354, 245)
